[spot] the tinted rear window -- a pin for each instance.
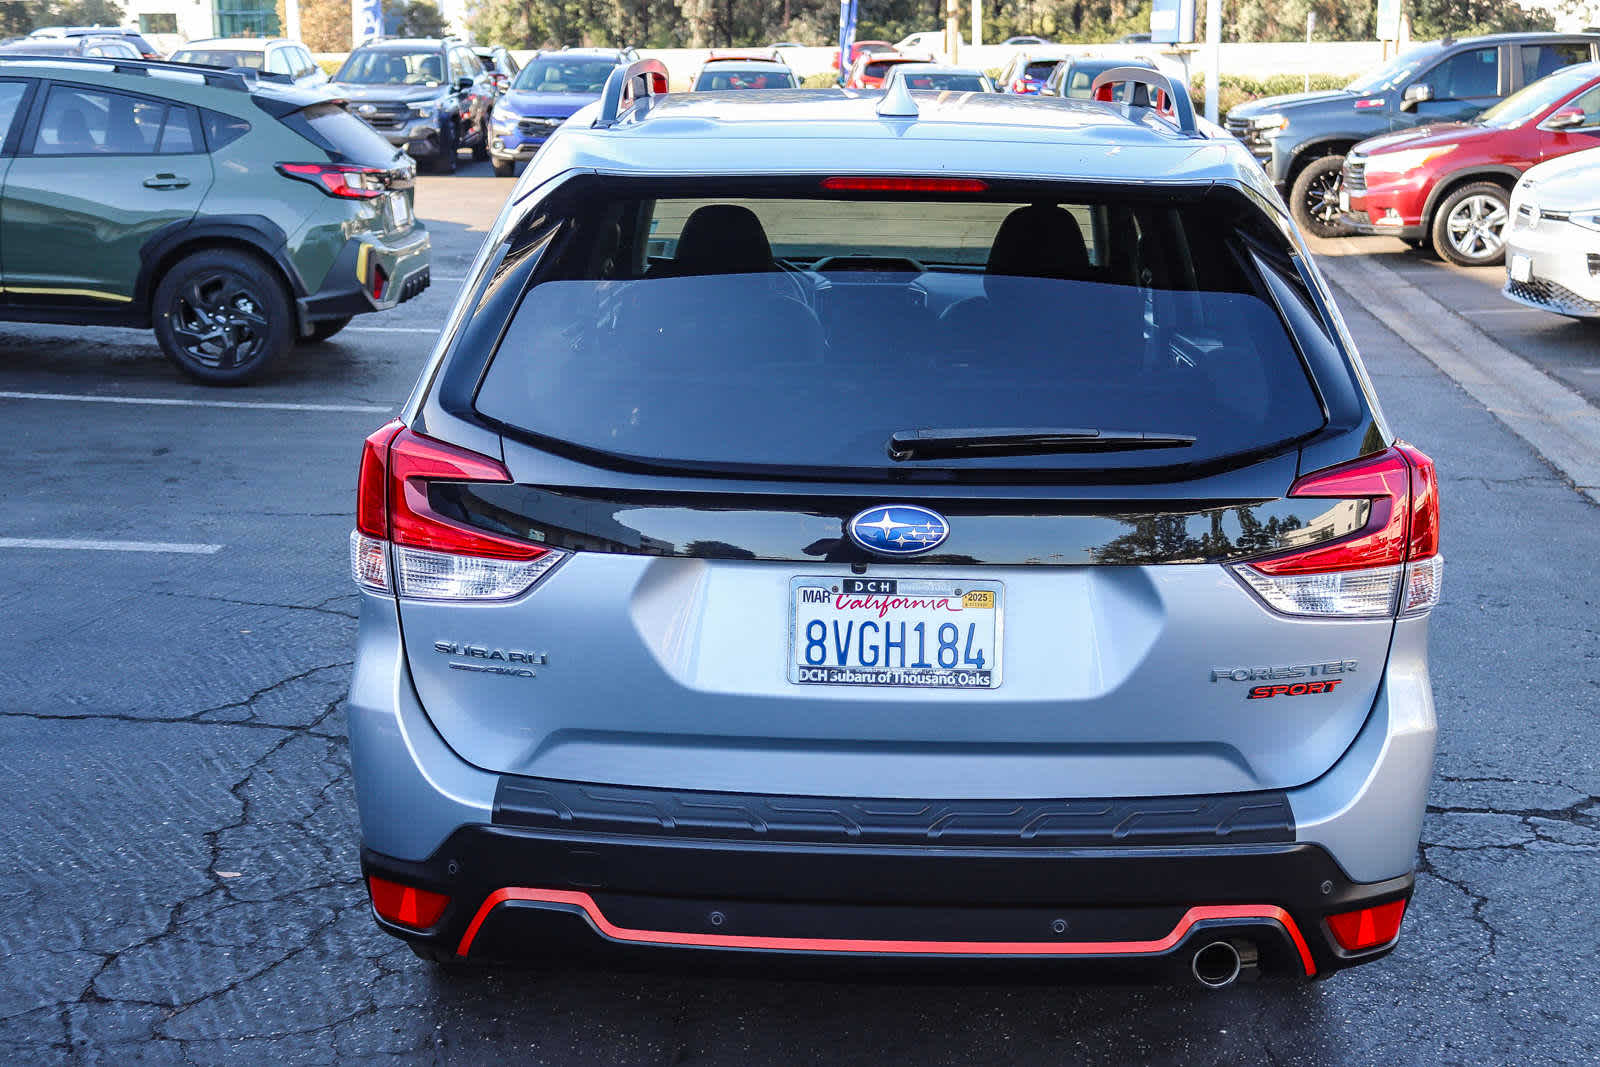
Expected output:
(217, 57)
(803, 332)
(1040, 71)
(333, 129)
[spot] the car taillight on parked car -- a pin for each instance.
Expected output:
(1390, 567)
(433, 558)
(343, 180)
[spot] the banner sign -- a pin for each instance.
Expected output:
(366, 20)
(1388, 20)
(847, 35)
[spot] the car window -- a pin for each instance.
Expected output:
(278, 61)
(1589, 102)
(179, 134)
(1466, 75)
(333, 129)
(11, 94)
(804, 331)
(89, 122)
(1040, 70)
(554, 75)
(219, 57)
(1539, 60)
(958, 83)
(1530, 100)
(390, 66)
(222, 130)
(734, 79)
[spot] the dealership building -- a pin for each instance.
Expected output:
(192, 20)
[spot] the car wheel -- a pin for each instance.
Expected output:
(1314, 197)
(504, 168)
(222, 316)
(480, 151)
(445, 161)
(321, 331)
(1469, 227)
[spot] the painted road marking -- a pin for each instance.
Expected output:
(174, 402)
(75, 545)
(391, 329)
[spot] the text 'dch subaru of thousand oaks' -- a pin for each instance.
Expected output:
(973, 537)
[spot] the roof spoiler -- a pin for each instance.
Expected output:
(642, 80)
(1143, 80)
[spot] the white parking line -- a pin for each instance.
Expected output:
(71, 544)
(1504, 311)
(391, 329)
(174, 402)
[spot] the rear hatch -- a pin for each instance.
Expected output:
(898, 489)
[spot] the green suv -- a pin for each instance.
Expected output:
(233, 213)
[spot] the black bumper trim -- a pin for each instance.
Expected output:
(576, 807)
(949, 892)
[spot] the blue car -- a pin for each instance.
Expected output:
(545, 94)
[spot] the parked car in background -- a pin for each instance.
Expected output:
(1553, 238)
(718, 75)
(142, 45)
(277, 55)
(930, 41)
(1450, 184)
(1301, 139)
(1029, 40)
(1028, 71)
(430, 97)
(80, 45)
(771, 54)
(249, 214)
(860, 48)
(543, 94)
(498, 63)
(1073, 76)
(936, 78)
(760, 575)
(872, 68)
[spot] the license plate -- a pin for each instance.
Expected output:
(1344, 200)
(399, 211)
(1521, 268)
(925, 632)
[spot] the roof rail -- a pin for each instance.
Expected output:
(1143, 80)
(643, 79)
(240, 78)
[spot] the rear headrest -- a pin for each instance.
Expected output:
(723, 239)
(1040, 241)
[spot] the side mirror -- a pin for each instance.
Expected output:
(1414, 95)
(1566, 119)
(465, 84)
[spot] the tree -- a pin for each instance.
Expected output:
(324, 24)
(415, 18)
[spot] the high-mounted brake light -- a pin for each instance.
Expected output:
(1390, 566)
(434, 557)
(343, 180)
(904, 185)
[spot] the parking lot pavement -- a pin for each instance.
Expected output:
(180, 844)
(1563, 347)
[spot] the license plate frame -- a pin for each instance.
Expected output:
(1520, 267)
(985, 638)
(398, 210)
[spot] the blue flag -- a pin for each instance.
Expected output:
(847, 35)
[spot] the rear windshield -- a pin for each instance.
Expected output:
(802, 332)
(333, 129)
(218, 57)
(1040, 71)
(720, 80)
(958, 83)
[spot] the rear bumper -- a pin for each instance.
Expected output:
(402, 264)
(1137, 913)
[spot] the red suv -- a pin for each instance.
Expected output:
(1451, 184)
(870, 70)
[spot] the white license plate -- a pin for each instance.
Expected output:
(1521, 268)
(925, 632)
(399, 211)
(1344, 200)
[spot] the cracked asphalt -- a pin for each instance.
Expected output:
(179, 848)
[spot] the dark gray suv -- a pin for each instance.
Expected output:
(966, 535)
(1301, 139)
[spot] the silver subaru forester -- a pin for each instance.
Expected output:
(889, 529)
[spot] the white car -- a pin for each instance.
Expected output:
(927, 41)
(275, 55)
(1553, 238)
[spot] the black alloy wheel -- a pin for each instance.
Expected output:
(1314, 197)
(222, 316)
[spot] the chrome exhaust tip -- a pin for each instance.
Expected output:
(1217, 965)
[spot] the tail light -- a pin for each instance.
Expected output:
(1356, 931)
(1390, 567)
(434, 557)
(345, 181)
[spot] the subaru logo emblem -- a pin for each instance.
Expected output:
(898, 529)
(367, 109)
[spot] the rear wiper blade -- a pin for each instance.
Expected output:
(1025, 441)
